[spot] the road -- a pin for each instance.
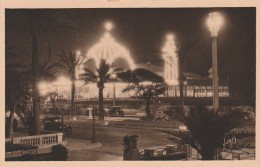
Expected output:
(111, 139)
(110, 134)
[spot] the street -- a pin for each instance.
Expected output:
(111, 139)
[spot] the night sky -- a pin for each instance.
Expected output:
(142, 31)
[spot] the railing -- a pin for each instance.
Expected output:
(42, 141)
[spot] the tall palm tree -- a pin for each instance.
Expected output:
(100, 76)
(69, 61)
(188, 47)
(37, 25)
(46, 72)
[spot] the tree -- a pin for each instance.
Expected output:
(15, 87)
(188, 47)
(100, 76)
(53, 97)
(46, 72)
(143, 84)
(70, 62)
(14, 95)
(37, 25)
(205, 129)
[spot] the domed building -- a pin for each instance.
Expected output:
(116, 55)
(195, 86)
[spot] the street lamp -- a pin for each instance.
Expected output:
(114, 79)
(215, 21)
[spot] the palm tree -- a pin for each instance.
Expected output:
(46, 72)
(100, 76)
(37, 24)
(205, 129)
(188, 47)
(69, 62)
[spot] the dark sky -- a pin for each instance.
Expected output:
(143, 31)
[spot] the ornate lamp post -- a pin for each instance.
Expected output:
(215, 22)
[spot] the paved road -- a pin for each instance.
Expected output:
(111, 137)
(112, 140)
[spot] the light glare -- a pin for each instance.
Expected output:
(110, 50)
(170, 37)
(171, 67)
(214, 21)
(108, 26)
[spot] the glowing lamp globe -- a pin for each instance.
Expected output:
(108, 26)
(170, 37)
(215, 21)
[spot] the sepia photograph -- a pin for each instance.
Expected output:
(144, 84)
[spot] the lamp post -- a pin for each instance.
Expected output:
(114, 79)
(114, 93)
(93, 135)
(214, 22)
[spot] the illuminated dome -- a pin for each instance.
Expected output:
(114, 53)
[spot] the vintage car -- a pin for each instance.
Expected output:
(116, 111)
(96, 111)
(55, 124)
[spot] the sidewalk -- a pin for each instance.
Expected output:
(79, 151)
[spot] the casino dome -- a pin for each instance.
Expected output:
(114, 53)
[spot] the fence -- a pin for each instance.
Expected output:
(42, 141)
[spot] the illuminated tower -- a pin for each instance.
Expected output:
(171, 67)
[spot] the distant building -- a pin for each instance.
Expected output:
(197, 86)
(116, 55)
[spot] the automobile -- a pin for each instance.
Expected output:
(162, 116)
(159, 116)
(116, 111)
(55, 124)
(96, 111)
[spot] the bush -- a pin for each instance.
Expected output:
(206, 129)
(59, 153)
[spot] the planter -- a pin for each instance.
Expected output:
(131, 154)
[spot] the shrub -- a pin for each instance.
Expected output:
(206, 129)
(59, 153)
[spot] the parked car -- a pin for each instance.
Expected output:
(96, 111)
(55, 124)
(158, 116)
(116, 111)
(163, 116)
